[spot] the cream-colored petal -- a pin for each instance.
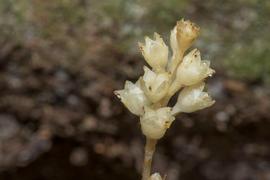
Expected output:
(192, 70)
(192, 98)
(154, 123)
(155, 53)
(187, 32)
(155, 85)
(133, 98)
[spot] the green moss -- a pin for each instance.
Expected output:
(249, 52)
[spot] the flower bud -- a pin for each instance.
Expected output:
(193, 70)
(154, 123)
(155, 53)
(133, 98)
(155, 85)
(155, 176)
(191, 99)
(182, 37)
(186, 33)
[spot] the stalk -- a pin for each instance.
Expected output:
(150, 148)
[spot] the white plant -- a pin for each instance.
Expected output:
(148, 98)
(155, 85)
(155, 52)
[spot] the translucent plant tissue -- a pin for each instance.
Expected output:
(183, 73)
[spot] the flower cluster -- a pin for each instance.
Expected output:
(149, 96)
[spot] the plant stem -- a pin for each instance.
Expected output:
(150, 147)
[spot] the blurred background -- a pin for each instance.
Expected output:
(60, 61)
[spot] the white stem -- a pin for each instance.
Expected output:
(150, 147)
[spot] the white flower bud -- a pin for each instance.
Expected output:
(155, 53)
(155, 176)
(133, 98)
(155, 85)
(191, 99)
(154, 123)
(187, 32)
(193, 70)
(182, 37)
